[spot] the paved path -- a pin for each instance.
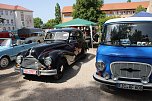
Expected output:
(76, 85)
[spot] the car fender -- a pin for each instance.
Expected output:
(6, 56)
(57, 56)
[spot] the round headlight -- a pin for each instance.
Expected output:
(47, 61)
(19, 59)
(100, 65)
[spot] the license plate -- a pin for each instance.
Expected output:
(29, 71)
(129, 86)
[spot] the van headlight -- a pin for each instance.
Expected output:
(47, 61)
(100, 65)
(19, 59)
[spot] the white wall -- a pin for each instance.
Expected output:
(7, 17)
(28, 19)
(16, 17)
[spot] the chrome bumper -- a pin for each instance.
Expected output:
(38, 72)
(113, 83)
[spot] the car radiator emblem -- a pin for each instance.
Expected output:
(130, 70)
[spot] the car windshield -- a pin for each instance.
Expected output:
(128, 34)
(5, 42)
(57, 36)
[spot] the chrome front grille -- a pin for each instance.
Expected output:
(30, 62)
(131, 70)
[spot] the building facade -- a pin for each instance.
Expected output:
(16, 17)
(113, 9)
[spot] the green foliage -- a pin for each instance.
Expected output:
(128, 0)
(88, 9)
(140, 8)
(57, 13)
(102, 20)
(50, 24)
(37, 22)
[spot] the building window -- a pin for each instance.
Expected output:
(1, 12)
(13, 28)
(23, 24)
(7, 21)
(6, 12)
(22, 16)
(4, 28)
(67, 15)
(12, 21)
(133, 12)
(9, 28)
(11, 12)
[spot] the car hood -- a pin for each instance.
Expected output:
(41, 48)
(132, 54)
(2, 48)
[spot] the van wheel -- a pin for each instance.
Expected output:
(4, 62)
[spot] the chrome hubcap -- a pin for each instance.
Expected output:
(4, 62)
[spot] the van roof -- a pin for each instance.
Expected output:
(130, 19)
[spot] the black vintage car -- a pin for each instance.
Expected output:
(61, 48)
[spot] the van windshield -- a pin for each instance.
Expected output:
(128, 34)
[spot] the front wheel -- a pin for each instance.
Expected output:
(4, 62)
(60, 72)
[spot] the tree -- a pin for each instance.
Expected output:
(1, 20)
(37, 22)
(128, 0)
(102, 20)
(88, 9)
(140, 8)
(50, 24)
(57, 13)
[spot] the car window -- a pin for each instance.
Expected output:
(5, 42)
(57, 36)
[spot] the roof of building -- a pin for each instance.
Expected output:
(67, 9)
(127, 5)
(114, 6)
(11, 7)
(130, 19)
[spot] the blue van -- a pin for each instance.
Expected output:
(124, 57)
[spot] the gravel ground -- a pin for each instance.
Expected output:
(76, 85)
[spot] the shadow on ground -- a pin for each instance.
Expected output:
(68, 74)
(8, 72)
(130, 95)
(81, 93)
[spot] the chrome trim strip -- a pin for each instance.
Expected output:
(113, 83)
(42, 72)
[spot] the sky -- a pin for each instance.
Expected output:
(45, 9)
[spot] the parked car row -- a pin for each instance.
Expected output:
(11, 44)
(123, 58)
